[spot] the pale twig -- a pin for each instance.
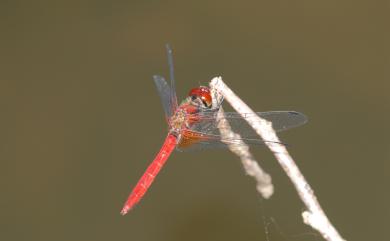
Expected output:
(241, 149)
(314, 215)
(251, 166)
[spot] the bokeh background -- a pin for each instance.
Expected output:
(81, 119)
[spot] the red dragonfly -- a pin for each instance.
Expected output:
(194, 125)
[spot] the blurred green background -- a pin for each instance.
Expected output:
(81, 119)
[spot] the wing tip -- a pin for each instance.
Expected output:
(301, 115)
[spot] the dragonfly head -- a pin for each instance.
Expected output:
(201, 95)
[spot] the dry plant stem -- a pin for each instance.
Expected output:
(263, 180)
(252, 168)
(314, 215)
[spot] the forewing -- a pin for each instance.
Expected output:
(207, 134)
(207, 122)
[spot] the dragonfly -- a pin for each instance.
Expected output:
(193, 125)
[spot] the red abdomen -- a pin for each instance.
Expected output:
(150, 173)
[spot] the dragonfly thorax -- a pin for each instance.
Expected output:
(184, 117)
(177, 122)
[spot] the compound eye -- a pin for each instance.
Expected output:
(206, 99)
(203, 93)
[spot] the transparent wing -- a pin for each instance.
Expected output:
(281, 120)
(165, 93)
(204, 132)
(173, 98)
(193, 141)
